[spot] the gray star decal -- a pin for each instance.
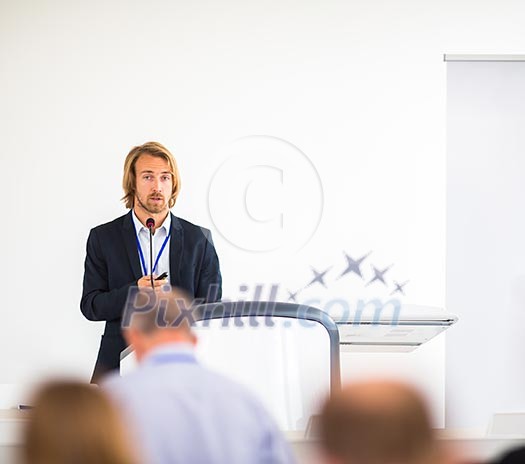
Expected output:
(293, 296)
(318, 277)
(379, 275)
(399, 287)
(354, 265)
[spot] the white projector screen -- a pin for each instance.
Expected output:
(485, 241)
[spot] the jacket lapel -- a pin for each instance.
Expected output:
(176, 247)
(130, 241)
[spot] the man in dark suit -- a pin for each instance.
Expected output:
(118, 253)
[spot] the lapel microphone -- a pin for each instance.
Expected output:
(150, 224)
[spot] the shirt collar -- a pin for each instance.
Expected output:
(170, 348)
(139, 226)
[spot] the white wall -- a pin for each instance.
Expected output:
(357, 86)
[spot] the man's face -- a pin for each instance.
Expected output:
(154, 184)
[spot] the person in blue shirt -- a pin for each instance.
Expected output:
(179, 411)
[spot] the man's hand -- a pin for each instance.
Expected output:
(146, 282)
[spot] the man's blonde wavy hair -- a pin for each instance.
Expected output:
(129, 181)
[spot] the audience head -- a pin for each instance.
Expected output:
(74, 423)
(377, 422)
(514, 456)
(154, 318)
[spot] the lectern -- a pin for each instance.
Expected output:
(289, 354)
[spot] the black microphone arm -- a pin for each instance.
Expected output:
(150, 224)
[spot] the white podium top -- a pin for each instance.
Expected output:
(390, 328)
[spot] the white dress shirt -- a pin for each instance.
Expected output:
(158, 239)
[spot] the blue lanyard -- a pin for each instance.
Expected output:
(143, 261)
(172, 358)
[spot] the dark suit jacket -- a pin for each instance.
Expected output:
(112, 266)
